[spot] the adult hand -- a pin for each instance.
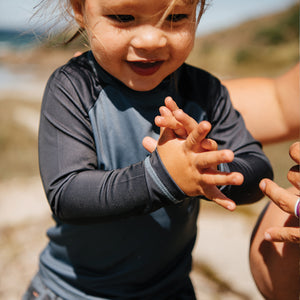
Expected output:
(285, 199)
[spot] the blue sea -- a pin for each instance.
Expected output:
(14, 39)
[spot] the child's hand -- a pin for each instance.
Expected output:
(182, 124)
(194, 168)
(204, 165)
(174, 118)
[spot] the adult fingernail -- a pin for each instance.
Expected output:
(268, 236)
(262, 185)
(231, 206)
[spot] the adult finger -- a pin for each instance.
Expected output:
(295, 152)
(283, 234)
(294, 176)
(280, 196)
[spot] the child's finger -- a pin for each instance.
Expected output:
(165, 112)
(149, 143)
(171, 104)
(187, 122)
(171, 123)
(197, 135)
(166, 134)
(166, 121)
(213, 158)
(217, 178)
(214, 194)
(209, 145)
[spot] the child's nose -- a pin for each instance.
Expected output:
(149, 38)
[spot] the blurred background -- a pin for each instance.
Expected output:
(235, 39)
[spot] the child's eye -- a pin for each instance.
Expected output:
(121, 18)
(176, 17)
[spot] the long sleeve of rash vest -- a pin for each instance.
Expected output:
(77, 188)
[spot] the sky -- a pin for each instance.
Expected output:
(15, 14)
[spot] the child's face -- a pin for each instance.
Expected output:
(131, 40)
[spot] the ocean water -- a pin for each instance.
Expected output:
(14, 39)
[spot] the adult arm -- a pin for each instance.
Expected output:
(286, 200)
(270, 260)
(270, 107)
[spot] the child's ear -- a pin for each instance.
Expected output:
(78, 7)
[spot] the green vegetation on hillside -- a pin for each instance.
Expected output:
(264, 46)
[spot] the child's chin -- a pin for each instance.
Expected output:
(142, 86)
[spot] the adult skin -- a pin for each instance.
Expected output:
(271, 111)
(274, 250)
(270, 107)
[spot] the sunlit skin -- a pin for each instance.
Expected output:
(135, 41)
(176, 126)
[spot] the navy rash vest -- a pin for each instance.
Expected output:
(124, 229)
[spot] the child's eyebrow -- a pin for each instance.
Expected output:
(117, 5)
(120, 4)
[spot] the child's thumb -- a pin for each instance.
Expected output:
(149, 143)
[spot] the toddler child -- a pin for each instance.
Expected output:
(126, 220)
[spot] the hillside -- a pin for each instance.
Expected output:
(264, 46)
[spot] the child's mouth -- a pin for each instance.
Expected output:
(145, 68)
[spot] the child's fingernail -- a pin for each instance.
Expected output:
(268, 236)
